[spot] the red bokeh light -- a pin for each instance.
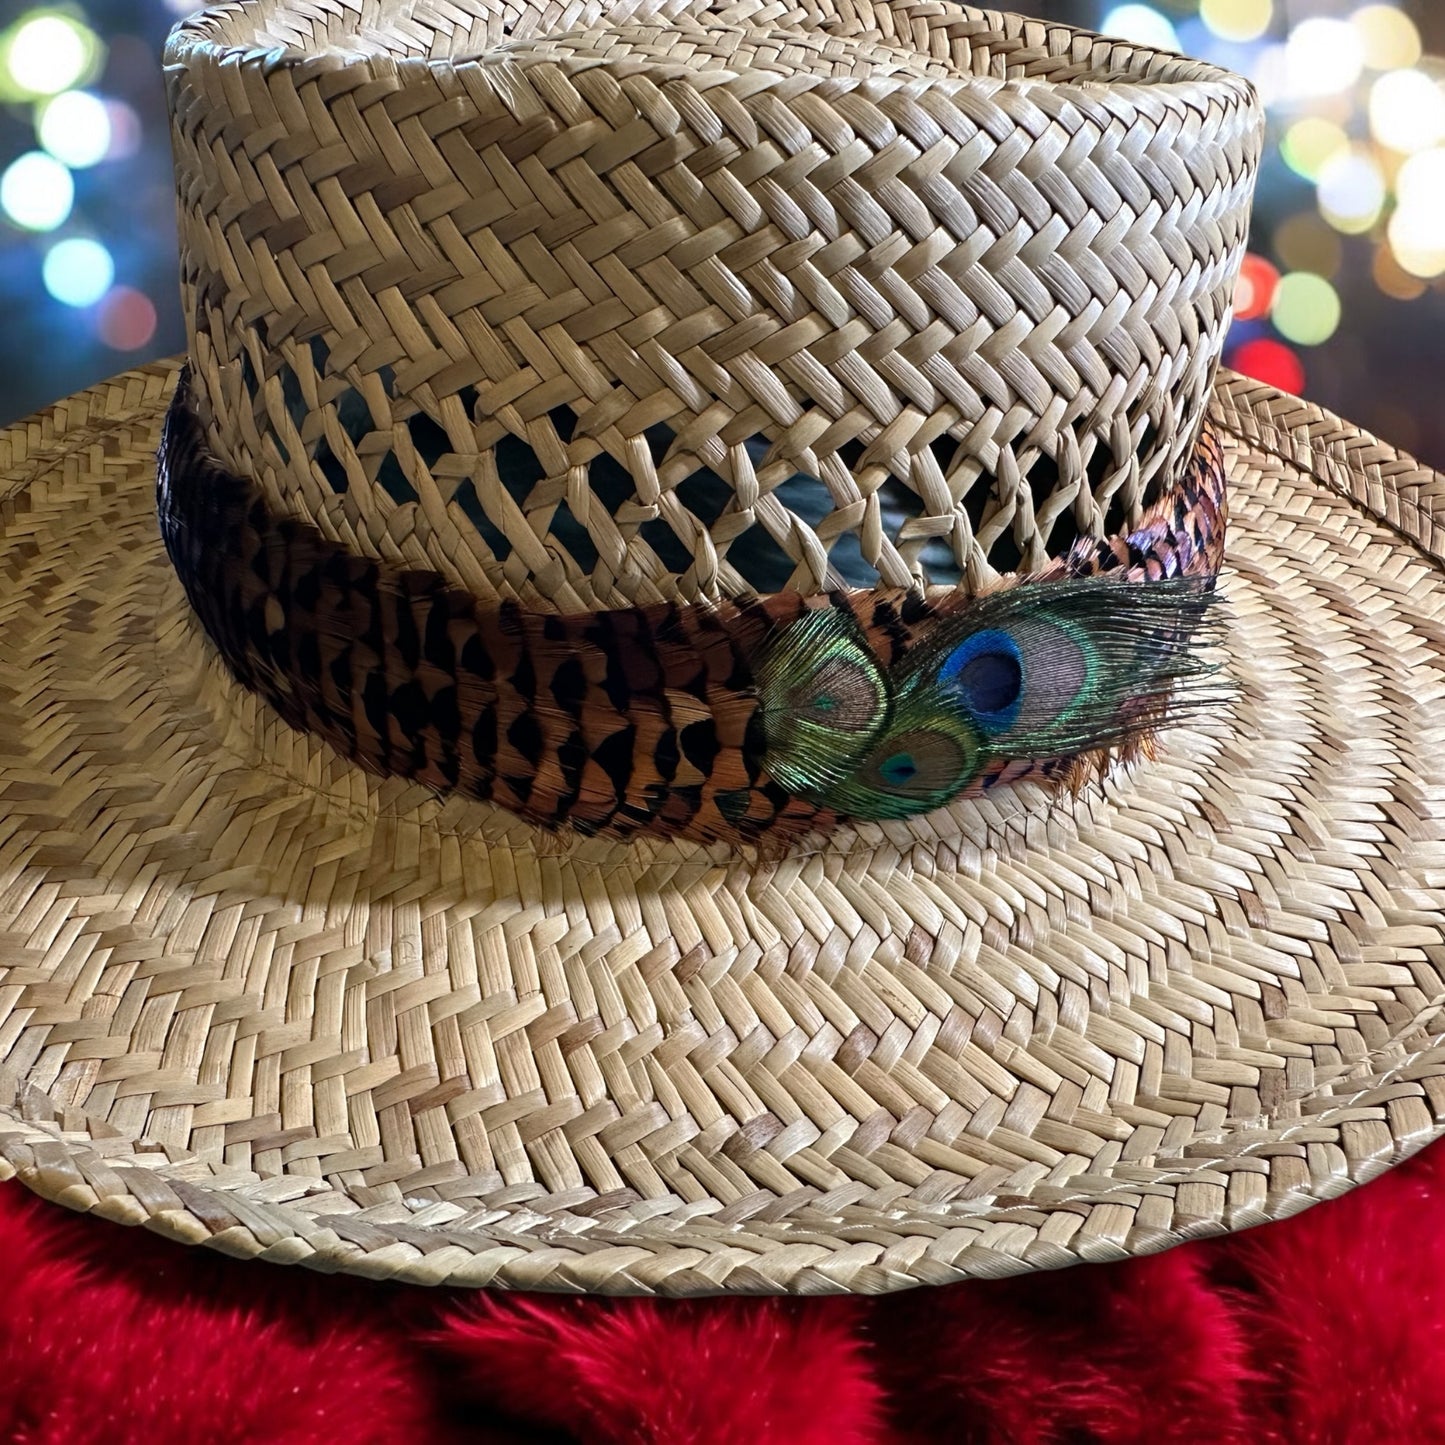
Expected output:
(127, 319)
(1254, 291)
(1271, 362)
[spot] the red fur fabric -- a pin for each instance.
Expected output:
(1327, 1328)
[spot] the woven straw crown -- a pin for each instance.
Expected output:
(560, 304)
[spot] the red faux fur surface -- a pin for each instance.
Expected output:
(1327, 1328)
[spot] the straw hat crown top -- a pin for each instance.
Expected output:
(613, 304)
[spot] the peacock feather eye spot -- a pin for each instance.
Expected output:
(921, 766)
(1036, 674)
(992, 682)
(985, 674)
(822, 699)
(899, 770)
(841, 694)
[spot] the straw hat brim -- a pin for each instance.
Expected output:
(255, 999)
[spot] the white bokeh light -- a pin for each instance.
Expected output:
(36, 192)
(1417, 229)
(1351, 192)
(1407, 111)
(47, 55)
(1269, 73)
(1417, 237)
(1141, 24)
(78, 272)
(75, 129)
(1322, 57)
(1420, 183)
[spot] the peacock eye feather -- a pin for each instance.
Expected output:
(926, 758)
(1038, 672)
(985, 674)
(822, 699)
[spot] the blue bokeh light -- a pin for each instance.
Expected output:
(78, 271)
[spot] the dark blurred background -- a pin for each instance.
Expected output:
(1343, 293)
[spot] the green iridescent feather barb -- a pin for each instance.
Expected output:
(754, 721)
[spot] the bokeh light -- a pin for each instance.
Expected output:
(75, 129)
(127, 319)
(1417, 237)
(1388, 35)
(1393, 279)
(1143, 25)
(1239, 20)
(1352, 192)
(1417, 229)
(78, 271)
(1306, 309)
(1322, 57)
(1271, 362)
(48, 52)
(36, 192)
(1310, 144)
(125, 130)
(1269, 73)
(1420, 182)
(1254, 291)
(1407, 111)
(1306, 242)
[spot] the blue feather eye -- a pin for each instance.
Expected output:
(898, 769)
(985, 673)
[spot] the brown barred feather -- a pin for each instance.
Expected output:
(616, 722)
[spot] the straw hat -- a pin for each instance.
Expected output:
(423, 856)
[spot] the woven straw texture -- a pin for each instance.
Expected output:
(594, 307)
(970, 273)
(253, 999)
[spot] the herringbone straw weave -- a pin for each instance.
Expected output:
(960, 265)
(254, 998)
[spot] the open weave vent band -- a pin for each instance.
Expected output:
(657, 718)
(967, 273)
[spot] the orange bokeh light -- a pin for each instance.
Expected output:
(1254, 291)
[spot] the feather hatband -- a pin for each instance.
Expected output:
(692, 719)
